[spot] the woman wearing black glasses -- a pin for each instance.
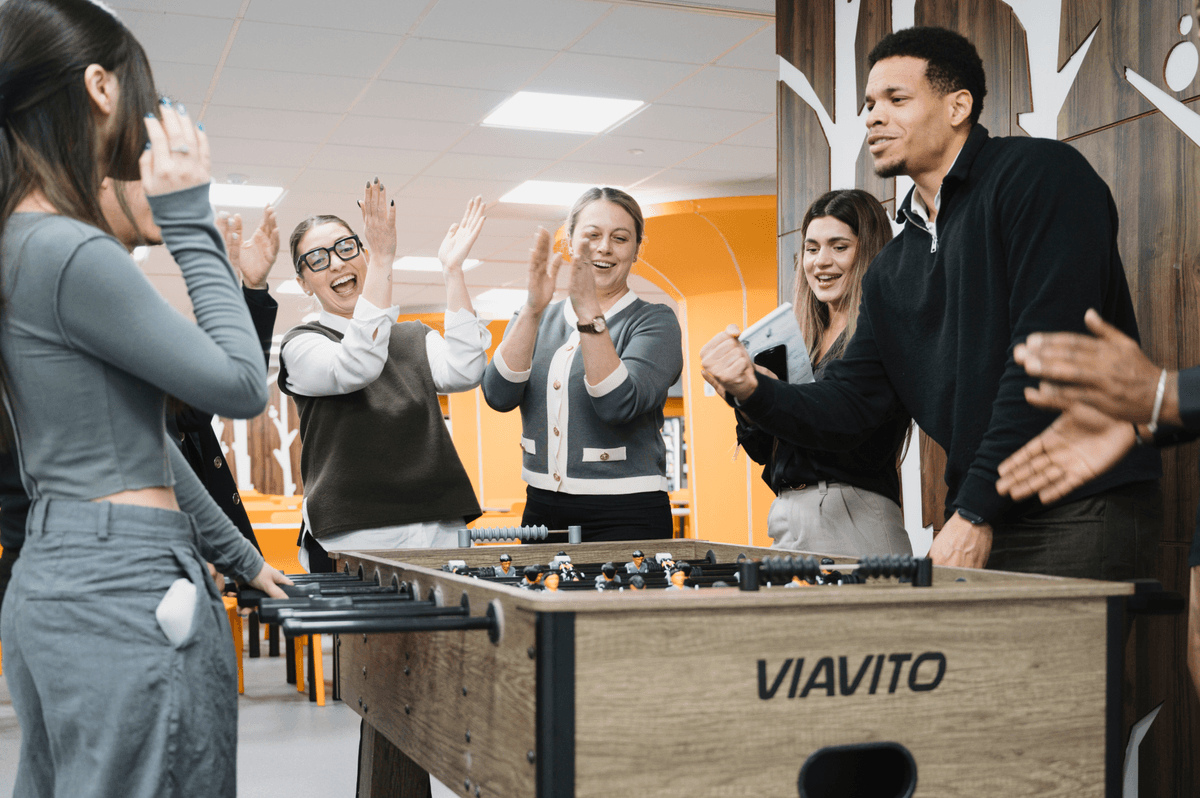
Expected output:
(379, 468)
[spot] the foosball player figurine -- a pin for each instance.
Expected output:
(506, 566)
(566, 570)
(677, 580)
(533, 578)
(638, 564)
(796, 582)
(636, 582)
(667, 563)
(608, 579)
(551, 582)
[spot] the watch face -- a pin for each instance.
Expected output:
(598, 324)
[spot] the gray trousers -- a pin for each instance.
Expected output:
(836, 518)
(106, 704)
(1112, 536)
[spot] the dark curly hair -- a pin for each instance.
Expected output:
(952, 62)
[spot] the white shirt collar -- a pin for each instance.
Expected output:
(572, 319)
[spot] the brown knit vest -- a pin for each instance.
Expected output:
(380, 456)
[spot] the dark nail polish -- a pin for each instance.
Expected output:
(147, 145)
(393, 203)
(377, 181)
(368, 184)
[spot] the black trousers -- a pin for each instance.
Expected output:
(1111, 536)
(630, 516)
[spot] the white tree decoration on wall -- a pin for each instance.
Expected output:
(241, 454)
(283, 455)
(1042, 21)
(1184, 118)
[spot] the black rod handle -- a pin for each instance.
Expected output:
(294, 627)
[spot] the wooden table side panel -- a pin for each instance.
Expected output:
(428, 672)
(1020, 710)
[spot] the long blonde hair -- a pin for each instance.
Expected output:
(862, 213)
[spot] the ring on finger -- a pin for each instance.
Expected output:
(182, 149)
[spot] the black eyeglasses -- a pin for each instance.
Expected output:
(318, 259)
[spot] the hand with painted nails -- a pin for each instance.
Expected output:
(252, 257)
(379, 226)
(177, 156)
(461, 236)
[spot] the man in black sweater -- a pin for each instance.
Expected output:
(1002, 237)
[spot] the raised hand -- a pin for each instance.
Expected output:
(379, 225)
(178, 155)
(1079, 446)
(543, 272)
(1109, 371)
(583, 284)
(726, 365)
(461, 236)
(253, 257)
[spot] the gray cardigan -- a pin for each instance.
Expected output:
(593, 439)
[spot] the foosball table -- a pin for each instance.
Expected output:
(545, 670)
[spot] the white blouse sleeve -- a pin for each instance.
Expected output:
(458, 360)
(318, 366)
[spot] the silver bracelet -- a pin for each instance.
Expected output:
(1158, 397)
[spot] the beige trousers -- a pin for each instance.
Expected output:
(836, 518)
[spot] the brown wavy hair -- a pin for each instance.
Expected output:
(862, 213)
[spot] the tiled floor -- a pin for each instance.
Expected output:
(286, 746)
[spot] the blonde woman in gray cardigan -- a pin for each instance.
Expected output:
(590, 375)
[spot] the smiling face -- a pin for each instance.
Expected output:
(338, 287)
(911, 129)
(606, 233)
(830, 249)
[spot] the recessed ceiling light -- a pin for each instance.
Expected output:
(499, 303)
(412, 263)
(637, 151)
(566, 113)
(546, 192)
(232, 196)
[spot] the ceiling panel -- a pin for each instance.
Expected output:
(690, 178)
(597, 174)
(664, 35)
(488, 167)
(719, 87)
(762, 134)
(374, 16)
(342, 181)
(688, 124)
(186, 83)
(468, 65)
(162, 36)
(614, 149)
(291, 91)
(265, 152)
(377, 131)
(420, 101)
(255, 175)
(520, 143)
(609, 76)
(265, 123)
(728, 158)
(552, 24)
(423, 223)
(319, 51)
(440, 212)
(227, 9)
(758, 53)
(459, 188)
(370, 162)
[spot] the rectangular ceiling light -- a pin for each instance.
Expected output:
(230, 195)
(500, 303)
(412, 263)
(566, 113)
(547, 192)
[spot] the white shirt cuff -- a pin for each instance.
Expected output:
(608, 384)
(365, 310)
(507, 373)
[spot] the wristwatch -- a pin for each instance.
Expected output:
(975, 519)
(596, 325)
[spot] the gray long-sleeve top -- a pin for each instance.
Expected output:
(92, 350)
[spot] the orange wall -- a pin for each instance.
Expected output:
(716, 259)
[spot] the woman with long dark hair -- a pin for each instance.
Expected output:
(834, 502)
(116, 647)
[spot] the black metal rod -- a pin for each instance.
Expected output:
(255, 636)
(289, 652)
(272, 640)
(336, 691)
(312, 668)
(299, 626)
(403, 611)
